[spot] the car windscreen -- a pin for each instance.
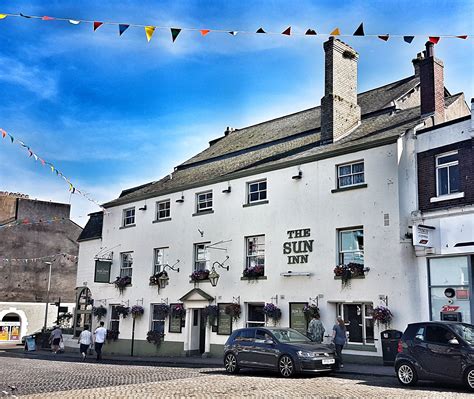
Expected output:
(465, 331)
(289, 335)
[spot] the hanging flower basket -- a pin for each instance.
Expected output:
(233, 310)
(178, 311)
(254, 272)
(273, 312)
(154, 280)
(122, 310)
(382, 315)
(162, 310)
(112, 335)
(122, 282)
(310, 311)
(210, 313)
(99, 312)
(200, 275)
(137, 311)
(155, 337)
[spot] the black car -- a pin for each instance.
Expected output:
(437, 351)
(281, 349)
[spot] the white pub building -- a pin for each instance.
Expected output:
(315, 207)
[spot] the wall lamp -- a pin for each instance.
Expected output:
(164, 278)
(213, 275)
(298, 176)
(180, 200)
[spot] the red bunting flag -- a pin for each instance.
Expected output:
(287, 31)
(204, 32)
(174, 33)
(97, 25)
(384, 37)
(434, 39)
(46, 18)
(123, 28)
(4, 133)
(310, 32)
(462, 37)
(260, 30)
(360, 30)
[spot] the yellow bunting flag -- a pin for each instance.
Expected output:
(149, 30)
(3, 16)
(335, 32)
(204, 32)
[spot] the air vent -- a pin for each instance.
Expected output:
(386, 219)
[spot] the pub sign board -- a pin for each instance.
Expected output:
(224, 321)
(102, 271)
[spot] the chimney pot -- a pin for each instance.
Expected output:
(429, 49)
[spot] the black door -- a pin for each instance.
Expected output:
(353, 315)
(202, 334)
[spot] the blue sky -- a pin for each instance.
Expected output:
(113, 112)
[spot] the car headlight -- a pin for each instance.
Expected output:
(305, 354)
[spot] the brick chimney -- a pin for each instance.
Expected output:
(431, 84)
(339, 110)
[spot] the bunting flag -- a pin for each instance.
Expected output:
(311, 32)
(74, 22)
(384, 37)
(26, 221)
(54, 257)
(335, 32)
(24, 16)
(3, 16)
(360, 30)
(149, 30)
(233, 33)
(204, 32)
(260, 30)
(174, 33)
(287, 31)
(46, 18)
(97, 25)
(408, 39)
(123, 28)
(4, 133)
(434, 39)
(462, 37)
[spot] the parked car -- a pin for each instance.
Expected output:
(281, 349)
(437, 351)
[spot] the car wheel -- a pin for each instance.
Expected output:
(286, 366)
(469, 378)
(230, 364)
(406, 374)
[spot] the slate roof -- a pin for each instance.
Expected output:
(93, 228)
(287, 140)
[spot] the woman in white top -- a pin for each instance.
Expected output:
(85, 340)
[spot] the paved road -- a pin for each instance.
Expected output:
(57, 379)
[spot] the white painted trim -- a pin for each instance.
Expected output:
(447, 197)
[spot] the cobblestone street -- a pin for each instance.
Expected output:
(59, 379)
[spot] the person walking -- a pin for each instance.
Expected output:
(316, 329)
(339, 339)
(99, 338)
(56, 338)
(85, 340)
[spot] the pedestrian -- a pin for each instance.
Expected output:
(339, 339)
(56, 338)
(85, 340)
(99, 339)
(316, 329)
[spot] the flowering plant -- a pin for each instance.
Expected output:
(254, 272)
(122, 310)
(112, 335)
(122, 282)
(382, 314)
(347, 272)
(137, 310)
(178, 311)
(310, 311)
(99, 311)
(200, 275)
(210, 313)
(155, 337)
(154, 280)
(272, 311)
(233, 310)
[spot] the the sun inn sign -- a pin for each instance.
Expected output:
(299, 247)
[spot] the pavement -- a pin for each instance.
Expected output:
(178, 361)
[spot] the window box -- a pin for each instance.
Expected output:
(346, 273)
(243, 278)
(254, 272)
(200, 275)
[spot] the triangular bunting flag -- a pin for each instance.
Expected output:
(149, 30)
(46, 18)
(11, 138)
(233, 33)
(287, 31)
(462, 37)
(3, 16)
(74, 22)
(31, 153)
(434, 39)
(335, 32)
(35, 157)
(4, 133)
(24, 16)
(123, 28)
(52, 168)
(260, 30)
(310, 32)
(384, 37)
(204, 32)
(174, 33)
(97, 25)
(408, 39)
(42, 161)
(360, 30)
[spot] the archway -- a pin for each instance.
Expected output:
(83, 311)
(10, 327)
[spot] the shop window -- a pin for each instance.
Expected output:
(163, 210)
(201, 256)
(160, 257)
(114, 324)
(157, 320)
(351, 174)
(351, 246)
(447, 173)
(126, 263)
(256, 191)
(255, 252)
(255, 315)
(128, 217)
(204, 202)
(359, 322)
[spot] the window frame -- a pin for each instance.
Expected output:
(125, 217)
(364, 318)
(257, 182)
(341, 252)
(122, 262)
(205, 200)
(446, 166)
(248, 257)
(153, 320)
(166, 210)
(155, 258)
(114, 320)
(254, 323)
(351, 175)
(195, 256)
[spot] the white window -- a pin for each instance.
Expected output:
(160, 258)
(126, 263)
(114, 319)
(128, 217)
(447, 173)
(255, 248)
(157, 319)
(163, 210)
(255, 315)
(350, 174)
(201, 257)
(204, 202)
(351, 246)
(256, 191)
(359, 322)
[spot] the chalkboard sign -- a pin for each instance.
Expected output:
(30, 344)
(175, 323)
(297, 317)
(102, 271)
(224, 321)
